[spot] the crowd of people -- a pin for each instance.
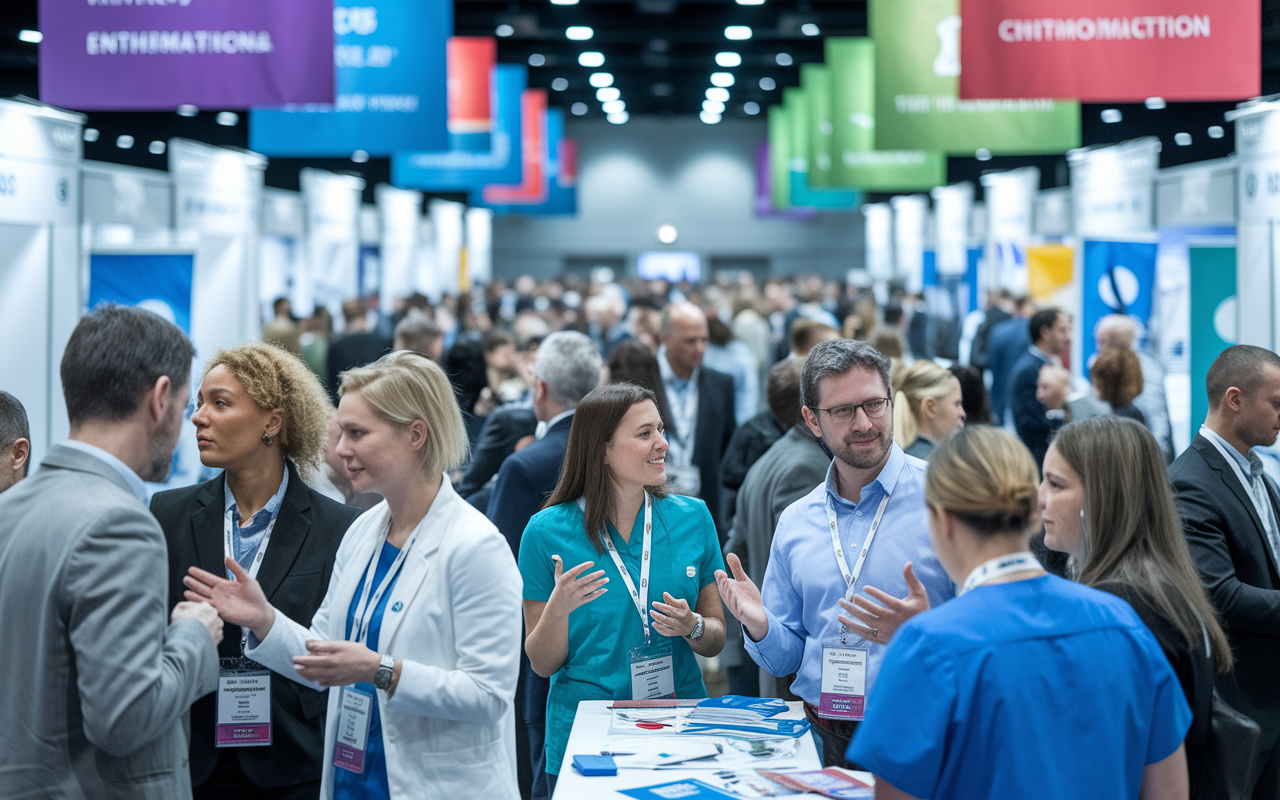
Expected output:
(424, 540)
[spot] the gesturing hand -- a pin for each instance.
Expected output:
(882, 620)
(742, 598)
(573, 589)
(203, 613)
(337, 663)
(240, 602)
(674, 617)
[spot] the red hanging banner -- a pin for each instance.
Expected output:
(1111, 51)
(471, 59)
(532, 188)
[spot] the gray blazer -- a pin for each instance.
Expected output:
(95, 684)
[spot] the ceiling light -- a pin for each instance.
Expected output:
(35, 37)
(124, 142)
(718, 94)
(187, 110)
(713, 106)
(227, 118)
(809, 29)
(564, 2)
(709, 118)
(591, 58)
(783, 59)
(751, 108)
(767, 84)
(600, 79)
(1182, 139)
(360, 156)
(1111, 115)
(504, 30)
(578, 109)
(667, 234)
(737, 32)
(537, 60)
(723, 79)
(91, 134)
(728, 60)
(750, 2)
(608, 93)
(559, 85)
(156, 148)
(983, 154)
(578, 33)
(1215, 132)
(613, 107)
(1155, 103)
(618, 118)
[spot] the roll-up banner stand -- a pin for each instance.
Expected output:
(281, 270)
(333, 236)
(1193, 202)
(446, 224)
(369, 271)
(479, 232)
(1114, 192)
(955, 290)
(1258, 189)
(910, 223)
(1050, 257)
(1010, 200)
(40, 285)
(401, 213)
(878, 218)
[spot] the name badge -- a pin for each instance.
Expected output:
(653, 673)
(844, 683)
(244, 704)
(355, 715)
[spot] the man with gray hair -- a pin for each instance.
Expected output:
(865, 527)
(565, 369)
(15, 441)
(1122, 331)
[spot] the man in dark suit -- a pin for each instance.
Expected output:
(503, 429)
(1229, 511)
(565, 369)
(1050, 341)
(1007, 341)
(357, 346)
(701, 403)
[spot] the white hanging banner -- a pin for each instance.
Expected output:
(910, 220)
(1010, 198)
(879, 240)
(446, 222)
(401, 213)
(953, 209)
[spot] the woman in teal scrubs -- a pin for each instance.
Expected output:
(611, 509)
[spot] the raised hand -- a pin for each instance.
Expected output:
(337, 663)
(742, 597)
(203, 613)
(573, 589)
(882, 620)
(673, 617)
(240, 602)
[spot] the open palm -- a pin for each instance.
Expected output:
(240, 602)
(742, 597)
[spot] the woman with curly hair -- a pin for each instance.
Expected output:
(261, 416)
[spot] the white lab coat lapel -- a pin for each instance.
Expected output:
(417, 565)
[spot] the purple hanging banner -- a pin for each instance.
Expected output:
(126, 55)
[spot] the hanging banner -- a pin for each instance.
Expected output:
(796, 103)
(878, 239)
(918, 103)
(815, 81)
(910, 220)
(532, 188)
(855, 161)
(1213, 316)
(1111, 51)
(764, 189)
(779, 159)
(560, 168)
(1009, 201)
(953, 208)
(113, 56)
(390, 62)
(456, 170)
(1117, 278)
(471, 61)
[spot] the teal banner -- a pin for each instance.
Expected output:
(1213, 316)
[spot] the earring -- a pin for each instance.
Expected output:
(266, 439)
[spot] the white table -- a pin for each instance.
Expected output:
(590, 735)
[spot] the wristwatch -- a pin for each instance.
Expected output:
(382, 678)
(698, 627)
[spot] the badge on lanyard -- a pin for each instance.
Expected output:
(244, 704)
(355, 715)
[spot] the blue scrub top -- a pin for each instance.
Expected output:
(372, 784)
(686, 554)
(1041, 688)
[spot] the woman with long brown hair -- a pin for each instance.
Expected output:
(638, 641)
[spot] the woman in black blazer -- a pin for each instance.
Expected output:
(262, 416)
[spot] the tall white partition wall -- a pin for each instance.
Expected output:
(910, 226)
(953, 296)
(1258, 190)
(333, 236)
(281, 262)
(426, 274)
(878, 218)
(479, 232)
(125, 207)
(369, 271)
(446, 224)
(1052, 214)
(40, 289)
(1010, 198)
(401, 213)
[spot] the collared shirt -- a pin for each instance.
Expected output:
(682, 398)
(543, 427)
(803, 582)
(130, 477)
(1255, 484)
(247, 537)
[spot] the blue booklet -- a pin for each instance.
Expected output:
(733, 706)
(679, 790)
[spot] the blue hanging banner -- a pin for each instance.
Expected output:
(560, 171)
(455, 170)
(1119, 278)
(389, 57)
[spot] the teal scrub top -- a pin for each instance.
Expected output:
(686, 554)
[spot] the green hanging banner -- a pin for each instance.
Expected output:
(796, 103)
(815, 81)
(917, 86)
(779, 158)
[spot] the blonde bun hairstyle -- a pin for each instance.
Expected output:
(986, 478)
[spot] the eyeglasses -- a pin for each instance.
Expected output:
(874, 408)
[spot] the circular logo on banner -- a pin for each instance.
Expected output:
(1126, 282)
(1224, 320)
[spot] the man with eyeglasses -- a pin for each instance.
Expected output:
(851, 560)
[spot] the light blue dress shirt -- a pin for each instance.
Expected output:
(803, 582)
(248, 538)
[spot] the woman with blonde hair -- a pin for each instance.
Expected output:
(1024, 685)
(419, 631)
(927, 405)
(261, 416)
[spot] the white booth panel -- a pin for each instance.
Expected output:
(24, 307)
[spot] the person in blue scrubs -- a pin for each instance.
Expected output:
(1025, 685)
(611, 521)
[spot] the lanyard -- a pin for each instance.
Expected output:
(851, 577)
(640, 598)
(367, 604)
(229, 550)
(998, 567)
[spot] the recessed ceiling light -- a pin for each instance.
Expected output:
(360, 156)
(578, 109)
(667, 234)
(713, 106)
(1155, 103)
(718, 94)
(728, 59)
(559, 85)
(751, 108)
(983, 154)
(709, 118)
(600, 79)
(1182, 139)
(504, 30)
(750, 2)
(187, 110)
(608, 93)
(722, 79)
(1216, 132)
(767, 84)
(591, 58)
(613, 107)
(783, 59)
(618, 119)
(124, 142)
(537, 60)
(579, 33)
(156, 148)
(564, 2)
(227, 118)
(737, 32)
(91, 134)
(809, 29)
(34, 37)
(1111, 115)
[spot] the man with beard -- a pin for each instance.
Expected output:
(865, 529)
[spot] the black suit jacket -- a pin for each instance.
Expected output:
(295, 576)
(1228, 545)
(352, 350)
(1034, 427)
(711, 438)
(504, 426)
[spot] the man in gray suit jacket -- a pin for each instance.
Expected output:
(98, 676)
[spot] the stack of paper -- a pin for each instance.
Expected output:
(743, 718)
